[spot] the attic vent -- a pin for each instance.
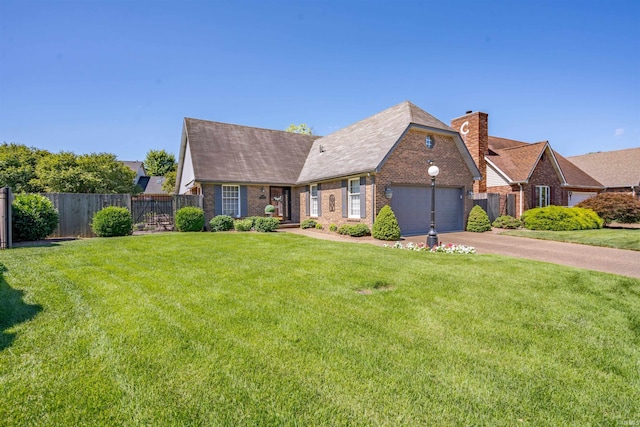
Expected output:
(469, 112)
(321, 148)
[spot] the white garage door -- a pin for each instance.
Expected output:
(576, 197)
(412, 207)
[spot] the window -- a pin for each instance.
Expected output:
(354, 198)
(313, 203)
(231, 200)
(543, 196)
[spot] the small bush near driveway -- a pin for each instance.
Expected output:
(478, 221)
(557, 218)
(221, 223)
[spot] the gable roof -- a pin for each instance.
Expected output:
(619, 168)
(154, 185)
(223, 152)
(517, 160)
(134, 165)
(365, 145)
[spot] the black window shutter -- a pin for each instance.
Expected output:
(363, 197)
(534, 198)
(217, 199)
(307, 200)
(345, 204)
(319, 201)
(244, 201)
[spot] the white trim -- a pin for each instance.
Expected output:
(231, 214)
(351, 198)
(313, 201)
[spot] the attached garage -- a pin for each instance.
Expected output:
(576, 197)
(412, 207)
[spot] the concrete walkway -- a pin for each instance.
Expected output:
(608, 260)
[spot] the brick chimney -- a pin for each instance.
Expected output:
(474, 130)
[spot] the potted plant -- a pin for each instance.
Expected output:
(269, 210)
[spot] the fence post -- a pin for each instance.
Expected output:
(5, 218)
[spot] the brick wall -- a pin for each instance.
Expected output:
(409, 163)
(474, 130)
(545, 174)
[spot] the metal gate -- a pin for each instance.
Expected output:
(152, 212)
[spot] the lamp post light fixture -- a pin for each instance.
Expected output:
(432, 237)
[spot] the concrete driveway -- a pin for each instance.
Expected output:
(608, 260)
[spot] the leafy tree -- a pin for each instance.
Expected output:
(18, 167)
(66, 172)
(159, 163)
(169, 184)
(301, 128)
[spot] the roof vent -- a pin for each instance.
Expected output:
(321, 148)
(469, 112)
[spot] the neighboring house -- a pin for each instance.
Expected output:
(152, 184)
(138, 168)
(618, 171)
(524, 175)
(345, 177)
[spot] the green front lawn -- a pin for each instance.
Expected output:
(279, 329)
(608, 237)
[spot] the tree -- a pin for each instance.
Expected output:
(159, 163)
(301, 128)
(18, 167)
(169, 184)
(66, 172)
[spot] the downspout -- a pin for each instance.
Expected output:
(521, 199)
(373, 200)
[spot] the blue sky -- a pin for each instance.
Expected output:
(119, 76)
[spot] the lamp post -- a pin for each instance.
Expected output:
(432, 237)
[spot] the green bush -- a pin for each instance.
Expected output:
(308, 223)
(266, 225)
(558, 218)
(33, 217)
(507, 221)
(269, 209)
(112, 221)
(221, 223)
(319, 226)
(190, 218)
(614, 207)
(243, 224)
(478, 221)
(333, 228)
(355, 230)
(386, 225)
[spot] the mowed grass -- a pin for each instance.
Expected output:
(255, 329)
(607, 237)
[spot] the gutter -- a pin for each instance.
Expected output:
(521, 199)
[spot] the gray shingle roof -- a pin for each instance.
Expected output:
(363, 146)
(620, 168)
(224, 152)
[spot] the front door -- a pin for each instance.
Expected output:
(280, 197)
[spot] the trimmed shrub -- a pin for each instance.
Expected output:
(319, 226)
(221, 223)
(269, 209)
(507, 221)
(190, 218)
(386, 225)
(478, 221)
(614, 207)
(266, 225)
(355, 230)
(333, 228)
(243, 224)
(33, 217)
(308, 223)
(112, 221)
(558, 218)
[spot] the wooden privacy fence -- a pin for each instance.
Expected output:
(77, 210)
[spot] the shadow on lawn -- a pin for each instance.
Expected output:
(13, 310)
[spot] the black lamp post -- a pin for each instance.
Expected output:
(432, 237)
